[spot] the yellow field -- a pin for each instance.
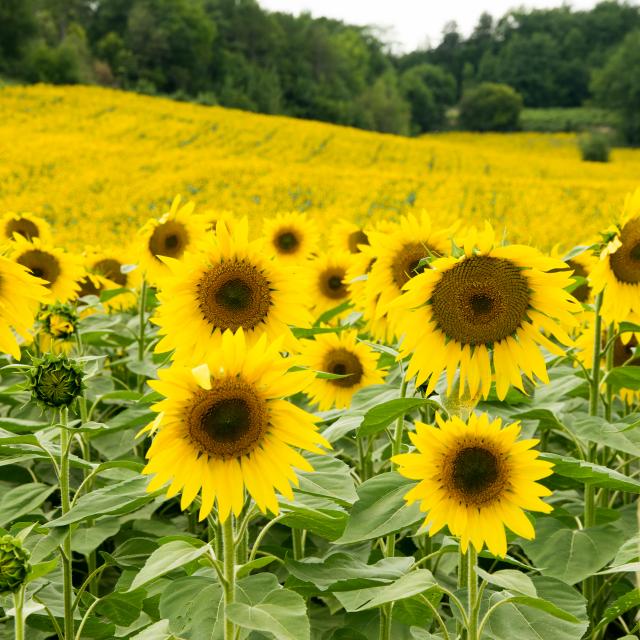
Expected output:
(97, 163)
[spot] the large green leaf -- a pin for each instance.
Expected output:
(122, 608)
(514, 581)
(22, 500)
(330, 478)
(624, 378)
(626, 602)
(382, 415)
(316, 514)
(592, 474)
(166, 558)
(380, 509)
(571, 555)
(598, 430)
(114, 499)
(263, 605)
(411, 584)
(342, 571)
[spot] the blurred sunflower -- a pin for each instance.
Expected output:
(341, 355)
(347, 236)
(62, 271)
(212, 218)
(292, 237)
(327, 281)
(475, 478)
(176, 232)
(229, 285)
(20, 297)
(56, 328)
(224, 426)
(617, 273)
(399, 250)
(483, 312)
(108, 270)
(27, 225)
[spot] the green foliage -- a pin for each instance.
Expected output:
(14, 564)
(617, 85)
(594, 147)
(55, 381)
(490, 107)
(556, 120)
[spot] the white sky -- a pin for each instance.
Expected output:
(409, 24)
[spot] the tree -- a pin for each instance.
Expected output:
(617, 85)
(17, 25)
(490, 107)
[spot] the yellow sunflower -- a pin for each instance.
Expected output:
(56, 328)
(224, 426)
(62, 271)
(175, 233)
(475, 478)
(291, 237)
(212, 218)
(328, 282)
(342, 355)
(398, 250)
(617, 273)
(347, 236)
(483, 312)
(20, 297)
(107, 270)
(228, 285)
(27, 225)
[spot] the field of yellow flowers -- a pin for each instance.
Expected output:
(263, 378)
(93, 160)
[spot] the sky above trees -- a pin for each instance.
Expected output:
(411, 24)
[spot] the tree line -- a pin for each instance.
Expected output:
(236, 54)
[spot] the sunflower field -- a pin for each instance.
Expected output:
(344, 386)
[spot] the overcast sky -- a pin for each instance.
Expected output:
(412, 23)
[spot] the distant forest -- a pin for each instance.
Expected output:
(236, 54)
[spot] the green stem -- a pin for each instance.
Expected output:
(297, 538)
(463, 581)
(472, 590)
(141, 328)
(18, 605)
(610, 353)
(229, 575)
(67, 577)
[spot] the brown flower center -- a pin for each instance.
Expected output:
(42, 265)
(406, 263)
(110, 268)
(26, 228)
(356, 238)
(342, 362)
(481, 300)
(625, 262)
(287, 241)
(332, 283)
(169, 239)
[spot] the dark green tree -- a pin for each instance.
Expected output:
(490, 107)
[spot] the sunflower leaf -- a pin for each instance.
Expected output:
(382, 415)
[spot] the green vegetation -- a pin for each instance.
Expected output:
(236, 54)
(490, 107)
(594, 147)
(557, 120)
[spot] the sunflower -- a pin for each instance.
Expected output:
(57, 327)
(347, 236)
(175, 233)
(109, 270)
(475, 478)
(211, 219)
(617, 273)
(328, 282)
(224, 426)
(399, 250)
(26, 225)
(341, 355)
(62, 271)
(483, 312)
(20, 297)
(228, 285)
(292, 237)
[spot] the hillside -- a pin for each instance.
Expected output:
(98, 162)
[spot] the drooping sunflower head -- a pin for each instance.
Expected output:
(55, 380)
(339, 355)
(328, 281)
(20, 297)
(170, 236)
(483, 312)
(617, 273)
(61, 271)
(291, 237)
(400, 251)
(225, 426)
(229, 285)
(475, 478)
(26, 225)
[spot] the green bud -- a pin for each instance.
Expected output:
(55, 381)
(14, 564)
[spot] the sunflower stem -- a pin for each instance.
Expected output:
(229, 570)
(297, 539)
(67, 577)
(142, 326)
(463, 581)
(18, 621)
(472, 592)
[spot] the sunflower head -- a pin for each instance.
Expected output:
(483, 312)
(347, 236)
(328, 280)
(55, 380)
(224, 426)
(59, 321)
(14, 564)
(25, 225)
(291, 237)
(475, 478)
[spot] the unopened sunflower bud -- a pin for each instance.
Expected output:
(56, 381)
(14, 564)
